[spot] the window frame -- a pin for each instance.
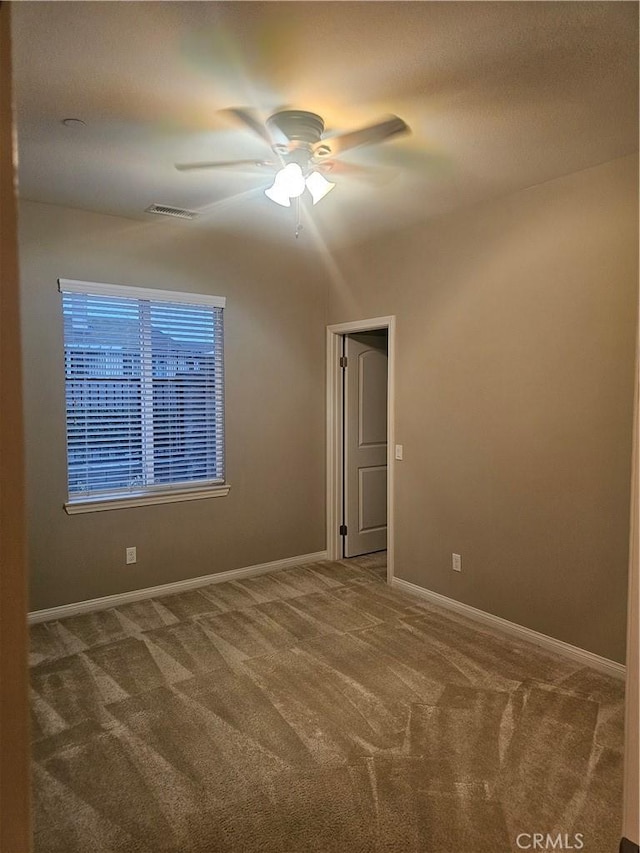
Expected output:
(155, 493)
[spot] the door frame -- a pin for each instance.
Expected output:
(335, 334)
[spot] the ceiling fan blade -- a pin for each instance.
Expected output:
(340, 167)
(251, 119)
(369, 135)
(371, 174)
(223, 164)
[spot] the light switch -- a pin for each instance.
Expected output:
(399, 451)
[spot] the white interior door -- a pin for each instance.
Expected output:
(365, 443)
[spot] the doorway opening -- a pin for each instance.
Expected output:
(360, 396)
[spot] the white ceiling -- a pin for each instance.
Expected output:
(499, 96)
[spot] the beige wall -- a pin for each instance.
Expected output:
(274, 406)
(515, 356)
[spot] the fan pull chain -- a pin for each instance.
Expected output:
(298, 223)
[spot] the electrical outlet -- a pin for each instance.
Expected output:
(131, 556)
(456, 562)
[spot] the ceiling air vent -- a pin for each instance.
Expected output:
(165, 210)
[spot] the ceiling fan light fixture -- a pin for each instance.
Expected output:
(277, 194)
(318, 186)
(291, 179)
(289, 183)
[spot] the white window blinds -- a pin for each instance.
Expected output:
(144, 390)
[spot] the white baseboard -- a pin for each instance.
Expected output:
(582, 656)
(106, 601)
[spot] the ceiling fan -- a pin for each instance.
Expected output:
(302, 155)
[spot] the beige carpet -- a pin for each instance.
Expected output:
(313, 709)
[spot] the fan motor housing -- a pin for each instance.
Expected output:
(298, 125)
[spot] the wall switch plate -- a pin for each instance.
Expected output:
(456, 562)
(399, 451)
(131, 556)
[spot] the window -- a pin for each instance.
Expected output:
(144, 395)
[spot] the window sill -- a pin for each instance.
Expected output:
(127, 501)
